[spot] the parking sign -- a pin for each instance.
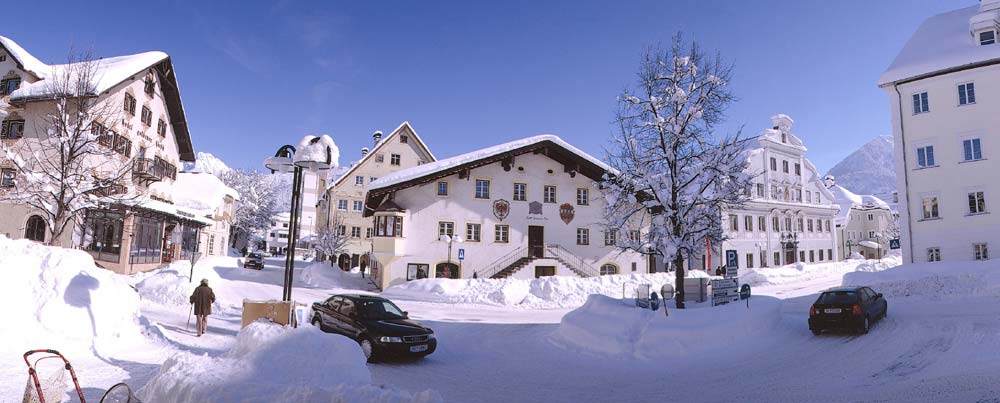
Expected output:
(732, 261)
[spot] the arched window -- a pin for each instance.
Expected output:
(35, 229)
(608, 268)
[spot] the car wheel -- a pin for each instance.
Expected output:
(316, 322)
(865, 326)
(368, 348)
(816, 331)
(885, 310)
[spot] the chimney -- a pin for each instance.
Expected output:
(377, 137)
(364, 151)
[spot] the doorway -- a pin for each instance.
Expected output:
(544, 271)
(446, 270)
(536, 241)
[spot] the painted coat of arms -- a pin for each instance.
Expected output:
(501, 208)
(566, 212)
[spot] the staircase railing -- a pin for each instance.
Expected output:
(503, 262)
(572, 260)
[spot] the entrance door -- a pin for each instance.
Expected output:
(545, 271)
(536, 241)
(790, 256)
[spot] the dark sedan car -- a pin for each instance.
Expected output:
(378, 325)
(847, 308)
(254, 261)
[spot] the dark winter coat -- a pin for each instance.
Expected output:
(202, 299)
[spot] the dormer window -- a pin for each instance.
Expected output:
(8, 85)
(784, 138)
(987, 37)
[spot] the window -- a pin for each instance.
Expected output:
(871, 234)
(784, 166)
(821, 255)
(501, 233)
(979, 251)
(763, 259)
(549, 195)
(920, 103)
(520, 191)
(161, 128)
(788, 223)
(925, 156)
(149, 86)
(8, 85)
(482, 189)
(810, 224)
(812, 256)
(211, 244)
(798, 195)
(871, 217)
(445, 228)
(379, 157)
(749, 260)
(608, 269)
(827, 225)
(748, 223)
(777, 258)
(761, 223)
(358, 205)
(977, 203)
(394, 159)
(123, 145)
(34, 229)
(389, 226)
(368, 232)
(734, 223)
(634, 235)
(582, 197)
(774, 192)
(829, 252)
(342, 205)
(355, 232)
(934, 254)
(129, 104)
(802, 256)
(442, 188)
(403, 138)
(966, 94)
(799, 225)
(416, 271)
(147, 116)
(760, 190)
(7, 176)
(987, 37)
(774, 164)
(582, 236)
(611, 237)
(973, 149)
(284, 225)
(12, 129)
(359, 180)
(774, 224)
(472, 232)
(930, 205)
(342, 230)
(798, 169)
(372, 179)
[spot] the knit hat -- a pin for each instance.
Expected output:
(204, 281)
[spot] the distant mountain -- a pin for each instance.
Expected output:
(207, 163)
(868, 171)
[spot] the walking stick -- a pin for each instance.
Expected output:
(188, 327)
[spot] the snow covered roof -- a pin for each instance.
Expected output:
(201, 191)
(422, 173)
(848, 200)
(175, 210)
(781, 133)
(339, 175)
(942, 43)
(110, 72)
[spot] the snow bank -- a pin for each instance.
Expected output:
(323, 275)
(540, 293)
(935, 281)
(271, 363)
(800, 272)
(171, 285)
(612, 327)
(58, 296)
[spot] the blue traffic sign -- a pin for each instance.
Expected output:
(894, 243)
(745, 291)
(732, 260)
(461, 254)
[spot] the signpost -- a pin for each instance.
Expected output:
(745, 294)
(194, 259)
(732, 264)
(894, 243)
(725, 291)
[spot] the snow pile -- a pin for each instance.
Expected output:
(171, 285)
(271, 363)
(322, 275)
(541, 293)
(612, 327)
(934, 280)
(201, 191)
(58, 295)
(800, 272)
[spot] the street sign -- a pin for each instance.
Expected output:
(732, 260)
(725, 291)
(894, 243)
(745, 291)
(461, 254)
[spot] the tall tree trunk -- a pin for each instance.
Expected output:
(679, 279)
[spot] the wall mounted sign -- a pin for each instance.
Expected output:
(501, 208)
(566, 212)
(535, 212)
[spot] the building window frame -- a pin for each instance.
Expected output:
(342, 204)
(442, 188)
(550, 194)
(446, 228)
(972, 149)
(925, 156)
(582, 197)
(473, 232)
(482, 190)
(980, 251)
(395, 159)
(966, 93)
(977, 202)
(501, 233)
(8, 177)
(583, 236)
(987, 37)
(934, 254)
(921, 102)
(520, 191)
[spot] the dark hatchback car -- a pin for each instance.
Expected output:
(254, 261)
(378, 325)
(847, 308)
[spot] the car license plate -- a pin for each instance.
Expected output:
(417, 349)
(832, 310)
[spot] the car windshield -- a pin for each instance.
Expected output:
(838, 297)
(376, 309)
(254, 256)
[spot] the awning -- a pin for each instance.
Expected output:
(869, 244)
(175, 211)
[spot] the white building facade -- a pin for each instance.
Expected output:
(789, 218)
(946, 146)
(276, 239)
(865, 223)
(523, 209)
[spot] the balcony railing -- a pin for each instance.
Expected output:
(147, 169)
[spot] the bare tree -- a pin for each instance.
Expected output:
(332, 240)
(259, 198)
(674, 176)
(69, 163)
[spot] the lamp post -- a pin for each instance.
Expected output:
(315, 154)
(760, 254)
(450, 239)
(879, 248)
(849, 251)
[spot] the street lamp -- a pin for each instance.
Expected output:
(879, 247)
(315, 154)
(451, 239)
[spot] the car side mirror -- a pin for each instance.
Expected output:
(406, 314)
(879, 295)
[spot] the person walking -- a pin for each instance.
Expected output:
(202, 298)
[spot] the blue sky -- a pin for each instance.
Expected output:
(472, 74)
